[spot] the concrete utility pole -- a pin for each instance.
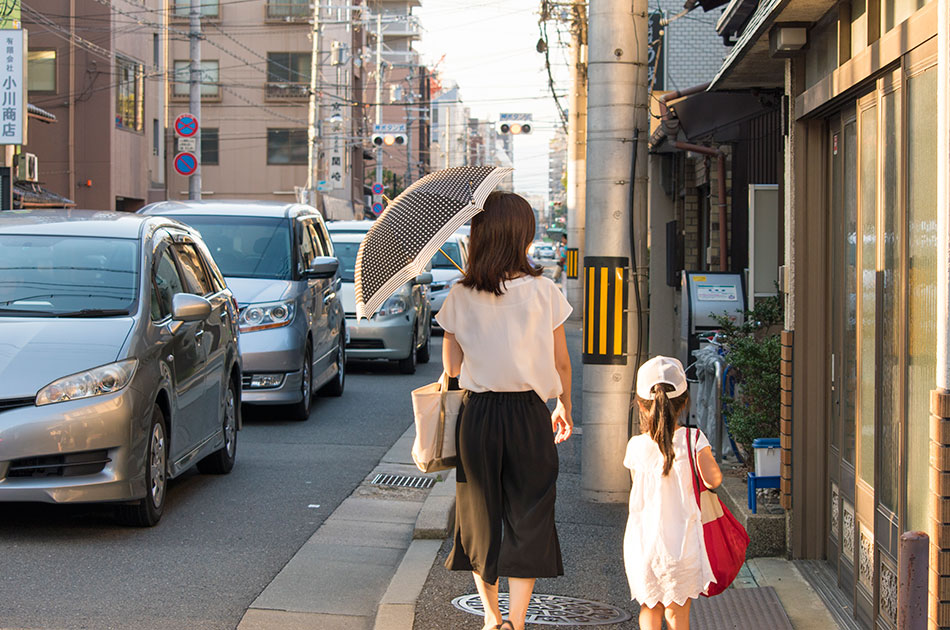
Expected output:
(379, 92)
(577, 154)
(616, 133)
(194, 92)
(313, 111)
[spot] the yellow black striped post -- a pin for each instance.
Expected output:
(605, 312)
(570, 263)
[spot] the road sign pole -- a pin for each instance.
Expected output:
(194, 91)
(379, 99)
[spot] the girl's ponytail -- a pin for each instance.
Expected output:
(658, 418)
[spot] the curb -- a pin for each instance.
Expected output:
(397, 608)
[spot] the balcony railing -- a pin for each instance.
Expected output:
(288, 11)
(286, 91)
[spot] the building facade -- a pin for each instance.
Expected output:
(100, 71)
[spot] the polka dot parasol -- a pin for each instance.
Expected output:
(414, 226)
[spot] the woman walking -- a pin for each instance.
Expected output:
(505, 342)
(663, 546)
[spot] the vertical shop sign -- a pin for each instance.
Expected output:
(12, 102)
(656, 53)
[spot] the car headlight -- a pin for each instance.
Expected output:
(105, 379)
(264, 316)
(396, 305)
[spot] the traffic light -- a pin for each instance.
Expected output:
(389, 139)
(515, 128)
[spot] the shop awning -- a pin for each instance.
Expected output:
(32, 195)
(749, 64)
(37, 113)
(719, 114)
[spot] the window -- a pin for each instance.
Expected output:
(156, 50)
(287, 146)
(207, 8)
(41, 70)
(288, 67)
(165, 284)
(129, 94)
(305, 246)
(209, 78)
(288, 9)
(209, 145)
(196, 278)
(156, 137)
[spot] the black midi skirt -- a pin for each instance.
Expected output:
(506, 488)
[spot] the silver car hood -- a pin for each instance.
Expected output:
(36, 351)
(258, 290)
(441, 276)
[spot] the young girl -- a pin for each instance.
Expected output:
(663, 547)
(504, 339)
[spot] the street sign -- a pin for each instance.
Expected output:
(12, 92)
(186, 125)
(187, 144)
(389, 128)
(377, 209)
(323, 185)
(186, 163)
(377, 188)
(515, 117)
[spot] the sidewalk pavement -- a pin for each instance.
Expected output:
(376, 563)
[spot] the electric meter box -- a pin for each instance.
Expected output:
(706, 295)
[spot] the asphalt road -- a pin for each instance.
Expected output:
(221, 539)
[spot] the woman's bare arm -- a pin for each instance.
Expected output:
(708, 468)
(451, 355)
(561, 419)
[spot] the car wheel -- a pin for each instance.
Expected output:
(335, 386)
(147, 511)
(221, 461)
(408, 365)
(424, 353)
(301, 410)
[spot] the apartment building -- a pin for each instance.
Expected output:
(99, 70)
(557, 168)
(255, 93)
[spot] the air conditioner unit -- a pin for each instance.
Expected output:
(28, 167)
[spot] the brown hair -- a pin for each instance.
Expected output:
(497, 247)
(658, 418)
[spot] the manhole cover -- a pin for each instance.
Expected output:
(552, 610)
(403, 481)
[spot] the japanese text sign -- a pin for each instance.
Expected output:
(12, 93)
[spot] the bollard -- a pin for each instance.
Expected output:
(914, 555)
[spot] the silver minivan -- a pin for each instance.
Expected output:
(278, 261)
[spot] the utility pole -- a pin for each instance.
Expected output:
(379, 92)
(313, 111)
(577, 154)
(615, 228)
(194, 92)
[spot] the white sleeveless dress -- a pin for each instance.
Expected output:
(663, 548)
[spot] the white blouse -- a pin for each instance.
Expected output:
(507, 340)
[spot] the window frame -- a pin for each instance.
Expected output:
(205, 160)
(288, 147)
(138, 92)
(30, 75)
(175, 83)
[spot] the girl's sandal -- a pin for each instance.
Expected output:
(506, 625)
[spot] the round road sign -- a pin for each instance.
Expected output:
(186, 163)
(377, 188)
(377, 209)
(186, 125)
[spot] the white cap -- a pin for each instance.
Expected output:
(661, 370)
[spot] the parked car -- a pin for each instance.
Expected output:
(401, 330)
(120, 366)
(444, 273)
(279, 261)
(542, 250)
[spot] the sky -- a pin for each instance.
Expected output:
(488, 48)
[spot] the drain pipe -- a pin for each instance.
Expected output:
(669, 126)
(721, 167)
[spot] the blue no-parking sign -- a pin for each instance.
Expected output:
(186, 125)
(186, 163)
(377, 209)
(377, 188)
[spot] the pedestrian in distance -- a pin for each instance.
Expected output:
(664, 550)
(504, 339)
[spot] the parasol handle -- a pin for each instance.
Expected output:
(449, 258)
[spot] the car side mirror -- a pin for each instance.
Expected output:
(190, 308)
(423, 278)
(323, 267)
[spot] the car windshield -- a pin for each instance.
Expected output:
(246, 247)
(346, 252)
(67, 276)
(439, 261)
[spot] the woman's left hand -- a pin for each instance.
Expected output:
(561, 423)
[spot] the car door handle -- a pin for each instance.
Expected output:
(199, 333)
(328, 298)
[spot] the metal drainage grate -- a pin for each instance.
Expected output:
(552, 610)
(403, 481)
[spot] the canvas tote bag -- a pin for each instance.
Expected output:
(726, 539)
(436, 409)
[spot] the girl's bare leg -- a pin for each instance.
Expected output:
(651, 618)
(489, 595)
(677, 617)
(519, 596)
